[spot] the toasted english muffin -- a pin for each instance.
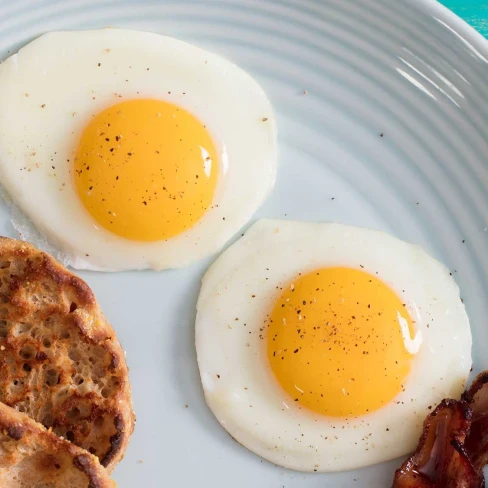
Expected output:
(60, 361)
(33, 457)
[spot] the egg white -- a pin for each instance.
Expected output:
(239, 290)
(52, 87)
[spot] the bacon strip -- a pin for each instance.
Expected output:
(441, 460)
(477, 440)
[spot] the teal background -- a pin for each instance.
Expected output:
(475, 12)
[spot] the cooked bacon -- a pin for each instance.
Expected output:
(441, 460)
(476, 443)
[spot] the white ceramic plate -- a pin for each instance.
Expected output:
(382, 109)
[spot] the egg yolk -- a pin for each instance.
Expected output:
(146, 169)
(335, 342)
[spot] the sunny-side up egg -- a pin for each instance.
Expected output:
(322, 347)
(132, 150)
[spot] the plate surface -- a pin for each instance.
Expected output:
(383, 122)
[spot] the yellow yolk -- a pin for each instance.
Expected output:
(146, 169)
(335, 342)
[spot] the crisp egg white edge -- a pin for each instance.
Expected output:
(227, 100)
(238, 383)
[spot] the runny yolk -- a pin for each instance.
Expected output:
(146, 169)
(335, 342)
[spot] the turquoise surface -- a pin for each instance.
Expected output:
(472, 11)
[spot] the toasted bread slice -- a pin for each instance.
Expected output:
(60, 361)
(33, 457)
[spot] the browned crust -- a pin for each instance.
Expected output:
(26, 439)
(115, 441)
(84, 462)
(83, 313)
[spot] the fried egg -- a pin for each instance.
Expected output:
(132, 150)
(322, 347)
